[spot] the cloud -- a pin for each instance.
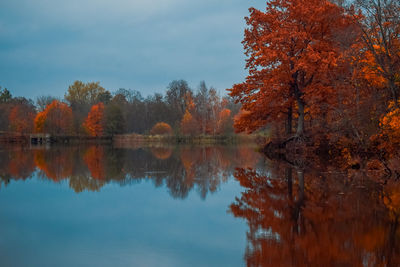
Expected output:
(122, 43)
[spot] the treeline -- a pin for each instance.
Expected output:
(90, 109)
(324, 71)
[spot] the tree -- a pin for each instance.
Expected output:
(294, 59)
(94, 123)
(189, 124)
(114, 117)
(390, 128)
(21, 118)
(161, 128)
(381, 31)
(43, 101)
(81, 97)
(57, 118)
(5, 95)
(224, 123)
(84, 93)
(176, 98)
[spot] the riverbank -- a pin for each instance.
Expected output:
(127, 139)
(132, 139)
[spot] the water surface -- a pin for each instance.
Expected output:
(189, 206)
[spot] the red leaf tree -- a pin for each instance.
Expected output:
(94, 123)
(21, 119)
(57, 118)
(295, 55)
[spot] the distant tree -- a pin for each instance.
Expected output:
(21, 118)
(189, 124)
(94, 123)
(5, 95)
(175, 97)
(57, 118)
(84, 93)
(161, 128)
(114, 117)
(43, 101)
(201, 101)
(224, 123)
(81, 97)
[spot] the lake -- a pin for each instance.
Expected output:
(190, 206)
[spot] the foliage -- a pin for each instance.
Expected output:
(5, 95)
(94, 123)
(57, 119)
(21, 119)
(189, 125)
(294, 59)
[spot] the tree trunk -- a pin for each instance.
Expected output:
(289, 122)
(300, 122)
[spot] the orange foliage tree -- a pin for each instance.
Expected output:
(21, 119)
(381, 30)
(94, 123)
(161, 128)
(57, 118)
(224, 120)
(390, 129)
(189, 124)
(294, 59)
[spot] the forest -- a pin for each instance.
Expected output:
(89, 109)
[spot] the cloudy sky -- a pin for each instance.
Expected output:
(45, 45)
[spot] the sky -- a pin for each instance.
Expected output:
(45, 45)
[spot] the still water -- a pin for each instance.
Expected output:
(189, 206)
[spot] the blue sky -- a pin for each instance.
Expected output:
(45, 45)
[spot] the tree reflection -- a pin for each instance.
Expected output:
(181, 169)
(308, 219)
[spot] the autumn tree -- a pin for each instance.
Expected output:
(161, 128)
(57, 118)
(43, 101)
(81, 97)
(189, 124)
(380, 26)
(176, 98)
(389, 135)
(294, 58)
(21, 118)
(94, 123)
(224, 123)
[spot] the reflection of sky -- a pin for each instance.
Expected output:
(47, 44)
(47, 224)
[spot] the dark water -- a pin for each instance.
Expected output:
(190, 206)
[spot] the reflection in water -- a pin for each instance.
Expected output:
(181, 169)
(294, 217)
(308, 219)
